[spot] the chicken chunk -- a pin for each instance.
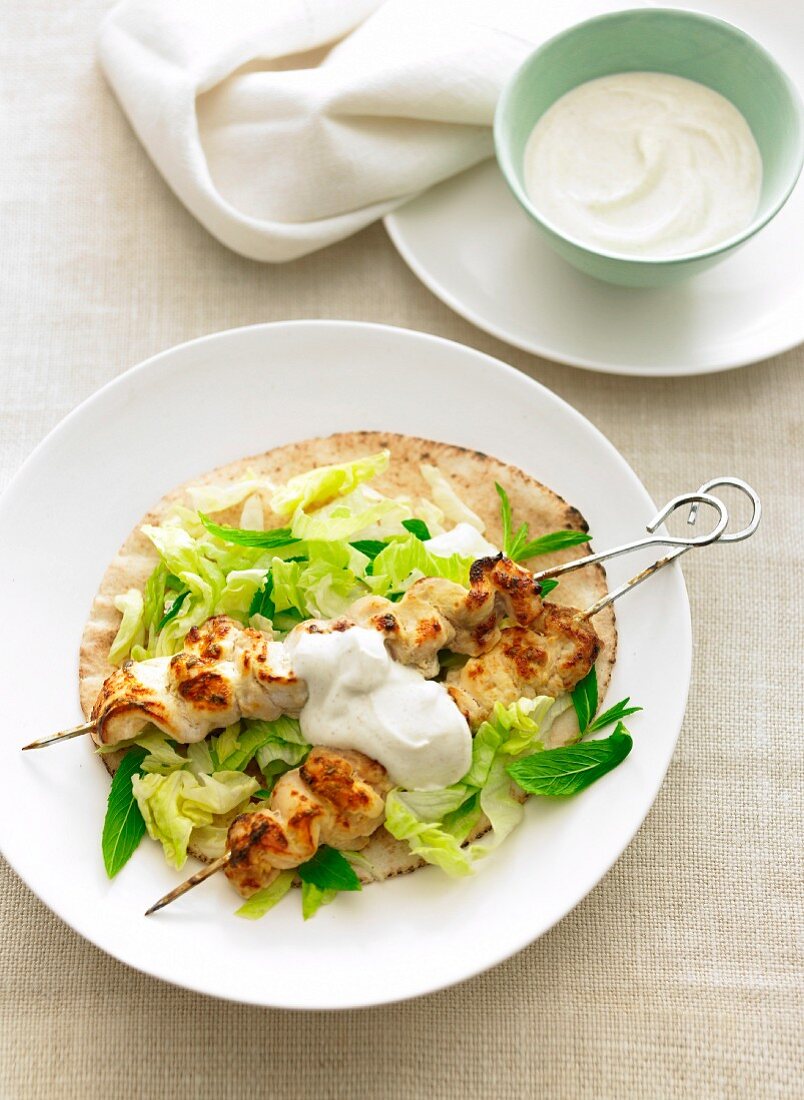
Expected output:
(548, 658)
(436, 613)
(335, 798)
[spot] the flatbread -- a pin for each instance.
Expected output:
(472, 474)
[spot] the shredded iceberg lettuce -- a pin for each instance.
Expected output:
(326, 483)
(322, 586)
(131, 631)
(356, 516)
(201, 572)
(174, 805)
(259, 904)
(284, 747)
(313, 897)
(217, 498)
(277, 746)
(252, 515)
(448, 500)
(405, 560)
(436, 824)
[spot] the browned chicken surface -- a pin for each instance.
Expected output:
(225, 672)
(547, 658)
(335, 798)
(438, 614)
(517, 646)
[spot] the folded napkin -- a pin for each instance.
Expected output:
(285, 125)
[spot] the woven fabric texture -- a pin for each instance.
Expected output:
(680, 975)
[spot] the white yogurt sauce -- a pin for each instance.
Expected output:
(644, 164)
(360, 698)
(463, 539)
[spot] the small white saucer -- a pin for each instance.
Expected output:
(471, 244)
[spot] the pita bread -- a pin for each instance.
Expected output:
(472, 474)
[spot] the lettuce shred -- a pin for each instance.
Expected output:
(326, 483)
(331, 508)
(436, 824)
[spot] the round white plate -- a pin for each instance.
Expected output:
(469, 241)
(209, 402)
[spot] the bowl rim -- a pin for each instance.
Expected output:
(505, 159)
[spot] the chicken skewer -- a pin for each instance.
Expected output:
(227, 672)
(549, 655)
(335, 798)
(189, 695)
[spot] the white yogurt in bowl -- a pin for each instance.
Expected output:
(644, 164)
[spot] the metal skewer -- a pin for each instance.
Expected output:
(693, 499)
(680, 543)
(188, 884)
(64, 735)
(681, 547)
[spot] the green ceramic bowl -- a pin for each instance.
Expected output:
(683, 43)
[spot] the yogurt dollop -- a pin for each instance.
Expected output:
(463, 539)
(360, 698)
(644, 164)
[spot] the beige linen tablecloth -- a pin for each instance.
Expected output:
(680, 975)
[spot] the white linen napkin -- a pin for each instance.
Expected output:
(285, 125)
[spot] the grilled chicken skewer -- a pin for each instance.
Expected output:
(227, 672)
(434, 614)
(523, 662)
(335, 798)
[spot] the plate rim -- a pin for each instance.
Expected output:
(196, 984)
(393, 228)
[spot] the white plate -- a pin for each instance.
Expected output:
(224, 397)
(469, 241)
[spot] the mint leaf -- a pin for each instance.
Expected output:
(329, 870)
(517, 547)
(613, 714)
(261, 602)
(548, 585)
(124, 825)
(584, 699)
(175, 607)
(558, 773)
(268, 540)
(370, 547)
(549, 544)
(418, 528)
(505, 518)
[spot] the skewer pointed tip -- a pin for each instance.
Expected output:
(188, 884)
(64, 735)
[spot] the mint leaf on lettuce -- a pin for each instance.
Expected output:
(418, 528)
(175, 608)
(370, 547)
(261, 602)
(558, 773)
(238, 536)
